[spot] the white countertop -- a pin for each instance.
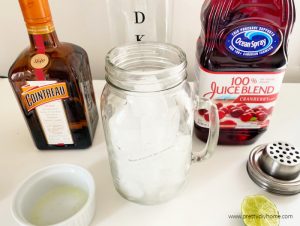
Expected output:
(214, 190)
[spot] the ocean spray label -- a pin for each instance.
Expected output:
(245, 99)
(252, 41)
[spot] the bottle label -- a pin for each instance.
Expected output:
(37, 95)
(39, 61)
(252, 41)
(245, 99)
(46, 98)
(86, 88)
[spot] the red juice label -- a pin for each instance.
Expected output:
(245, 99)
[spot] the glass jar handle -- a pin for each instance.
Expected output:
(214, 130)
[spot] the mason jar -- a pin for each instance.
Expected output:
(147, 111)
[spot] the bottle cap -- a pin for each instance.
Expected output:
(37, 16)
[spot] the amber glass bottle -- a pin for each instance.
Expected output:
(53, 85)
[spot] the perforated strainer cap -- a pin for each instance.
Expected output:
(276, 168)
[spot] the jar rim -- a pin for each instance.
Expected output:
(126, 66)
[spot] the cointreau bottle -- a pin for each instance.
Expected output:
(53, 84)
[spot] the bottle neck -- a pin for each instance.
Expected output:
(41, 42)
(38, 19)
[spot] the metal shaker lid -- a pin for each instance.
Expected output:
(276, 168)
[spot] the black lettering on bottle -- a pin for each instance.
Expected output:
(44, 92)
(139, 37)
(52, 92)
(57, 91)
(139, 17)
(40, 95)
(33, 98)
(48, 93)
(28, 99)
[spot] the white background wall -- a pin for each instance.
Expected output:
(85, 22)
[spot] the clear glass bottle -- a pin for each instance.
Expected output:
(53, 85)
(140, 20)
(147, 113)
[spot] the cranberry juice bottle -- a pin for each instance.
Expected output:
(242, 57)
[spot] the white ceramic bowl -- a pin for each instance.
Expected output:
(58, 195)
